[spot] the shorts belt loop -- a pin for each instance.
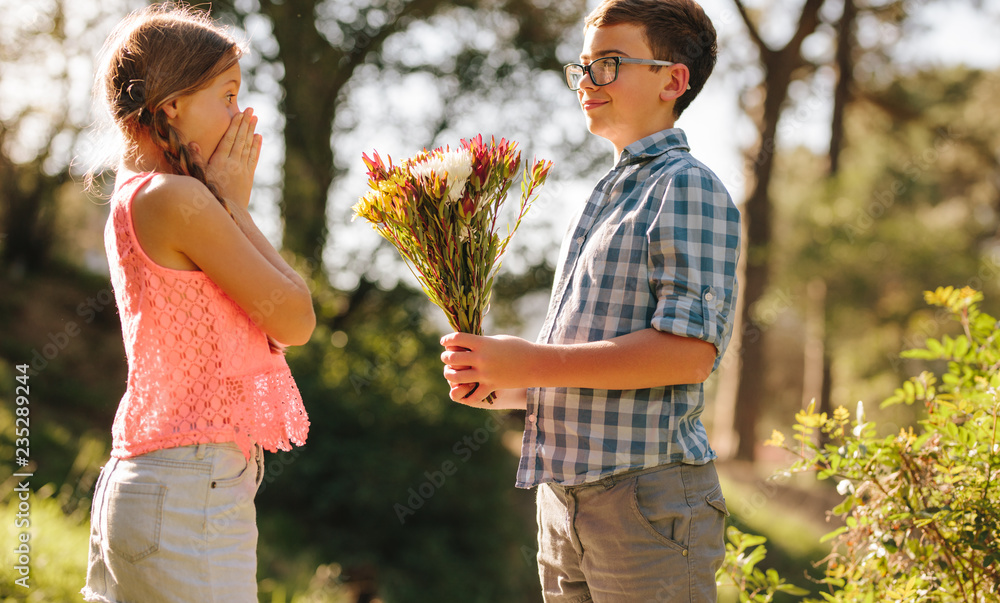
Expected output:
(608, 482)
(199, 453)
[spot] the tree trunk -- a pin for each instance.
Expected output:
(845, 76)
(779, 71)
(28, 212)
(822, 389)
(310, 85)
(816, 359)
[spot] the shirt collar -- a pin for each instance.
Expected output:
(653, 145)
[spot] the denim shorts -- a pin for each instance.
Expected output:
(176, 525)
(650, 535)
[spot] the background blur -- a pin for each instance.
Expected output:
(860, 138)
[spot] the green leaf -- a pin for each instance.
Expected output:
(792, 589)
(751, 540)
(831, 535)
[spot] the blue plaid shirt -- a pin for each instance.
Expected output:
(655, 246)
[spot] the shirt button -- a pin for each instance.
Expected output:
(709, 296)
(580, 240)
(531, 419)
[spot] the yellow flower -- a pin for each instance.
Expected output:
(777, 439)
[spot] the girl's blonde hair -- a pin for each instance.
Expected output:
(155, 55)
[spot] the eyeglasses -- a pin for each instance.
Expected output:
(603, 71)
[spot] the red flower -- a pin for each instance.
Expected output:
(376, 168)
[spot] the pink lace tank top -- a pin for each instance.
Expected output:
(199, 370)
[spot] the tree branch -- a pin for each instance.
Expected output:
(752, 28)
(808, 22)
(845, 77)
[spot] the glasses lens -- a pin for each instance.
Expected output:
(574, 73)
(604, 71)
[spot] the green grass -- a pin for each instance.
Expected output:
(57, 546)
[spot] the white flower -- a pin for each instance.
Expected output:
(860, 415)
(454, 167)
(845, 487)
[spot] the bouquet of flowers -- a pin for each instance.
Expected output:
(440, 208)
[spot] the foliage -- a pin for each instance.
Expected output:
(397, 484)
(899, 200)
(44, 61)
(743, 553)
(381, 423)
(921, 508)
(440, 211)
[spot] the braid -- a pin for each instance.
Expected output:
(178, 155)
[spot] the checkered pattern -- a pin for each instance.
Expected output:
(655, 246)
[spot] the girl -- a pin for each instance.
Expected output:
(201, 294)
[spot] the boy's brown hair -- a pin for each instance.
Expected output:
(676, 30)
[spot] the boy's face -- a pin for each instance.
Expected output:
(631, 107)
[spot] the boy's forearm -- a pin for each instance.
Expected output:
(510, 399)
(646, 358)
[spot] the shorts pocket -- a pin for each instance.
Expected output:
(660, 506)
(229, 468)
(135, 514)
(718, 502)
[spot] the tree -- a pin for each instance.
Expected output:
(781, 67)
(42, 61)
(914, 198)
(326, 49)
(770, 101)
(28, 213)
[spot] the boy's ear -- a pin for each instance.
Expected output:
(678, 83)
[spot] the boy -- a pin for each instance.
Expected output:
(629, 504)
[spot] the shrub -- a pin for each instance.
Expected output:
(739, 569)
(921, 507)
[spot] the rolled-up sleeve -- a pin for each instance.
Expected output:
(694, 244)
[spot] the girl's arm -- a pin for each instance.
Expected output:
(249, 228)
(181, 213)
(231, 169)
(183, 223)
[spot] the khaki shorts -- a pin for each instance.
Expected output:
(651, 535)
(176, 525)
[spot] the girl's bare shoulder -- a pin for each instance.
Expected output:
(170, 197)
